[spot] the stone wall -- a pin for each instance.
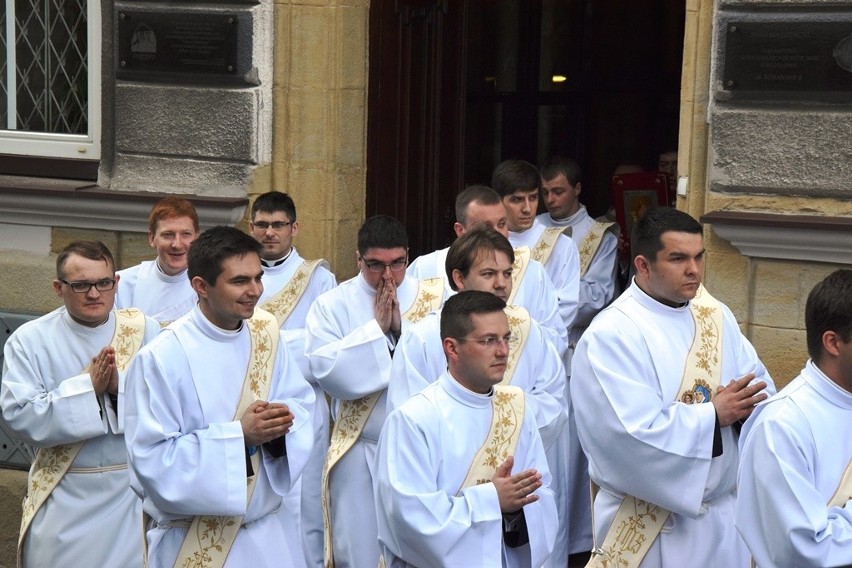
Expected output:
(779, 153)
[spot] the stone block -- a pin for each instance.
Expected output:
(13, 487)
(175, 175)
(280, 124)
(310, 116)
(283, 45)
(133, 248)
(199, 122)
(726, 277)
(351, 137)
(780, 289)
(799, 152)
(350, 194)
(62, 236)
(783, 4)
(309, 188)
(352, 23)
(783, 351)
(26, 283)
(311, 45)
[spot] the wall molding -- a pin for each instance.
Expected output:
(66, 203)
(810, 238)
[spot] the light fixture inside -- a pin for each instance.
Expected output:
(559, 78)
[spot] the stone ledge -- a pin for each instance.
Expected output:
(788, 237)
(65, 203)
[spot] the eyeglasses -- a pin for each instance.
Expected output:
(492, 342)
(276, 226)
(376, 266)
(83, 287)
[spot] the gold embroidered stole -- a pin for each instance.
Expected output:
(519, 326)
(637, 523)
(546, 243)
(352, 415)
(282, 304)
(519, 269)
(507, 415)
(844, 488)
(210, 537)
(591, 243)
(51, 464)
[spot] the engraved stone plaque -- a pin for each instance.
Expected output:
(804, 59)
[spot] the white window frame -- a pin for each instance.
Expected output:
(77, 146)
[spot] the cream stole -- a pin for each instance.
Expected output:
(519, 269)
(210, 538)
(507, 403)
(51, 464)
(590, 244)
(519, 326)
(353, 414)
(546, 243)
(282, 304)
(637, 523)
(844, 488)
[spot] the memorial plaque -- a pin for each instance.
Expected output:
(177, 47)
(798, 58)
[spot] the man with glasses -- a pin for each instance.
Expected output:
(290, 286)
(160, 287)
(352, 333)
(482, 260)
(63, 394)
(461, 477)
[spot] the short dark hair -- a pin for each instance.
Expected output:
(829, 308)
(455, 315)
(513, 175)
(465, 250)
(481, 194)
(381, 231)
(213, 247)
(561, 165)
(93, 250)
(273, 202)
(649, 228)
(169, 208)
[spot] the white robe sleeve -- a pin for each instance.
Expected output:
(42, 414)
(563, 266)
(780, 514)
(546, 397)
(597, 285)
(538, 295)
(629, 432)
(347, 364)
(417, 362)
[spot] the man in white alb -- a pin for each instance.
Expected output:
(532, 288)
(794, 497)
(665, 463)
(63, 394)
(461, 475)
(597, 244)
(518, 184)
(218, 424)
(160, 287)
(352, 332)
(290, 286)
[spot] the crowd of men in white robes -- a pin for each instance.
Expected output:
(476, 394)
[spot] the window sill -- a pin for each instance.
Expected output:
(68, 203)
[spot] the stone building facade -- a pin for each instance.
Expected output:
(771, 179)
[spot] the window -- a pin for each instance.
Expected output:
(50, 78)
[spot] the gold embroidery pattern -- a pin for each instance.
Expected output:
(519, 268)
(128, 339)
(515, 329)
(287, 296)
(546, 243)
(500, 445)
(430, 294)
(708, 351)
(590, 244)
(49, 466)
(210, 533)
(631, 533)
(259, 374)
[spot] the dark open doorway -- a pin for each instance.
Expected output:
(458, 86)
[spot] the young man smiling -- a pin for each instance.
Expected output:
(352, 333)
(216, 405)
(160, 287)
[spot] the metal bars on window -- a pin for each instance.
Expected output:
(50, 77)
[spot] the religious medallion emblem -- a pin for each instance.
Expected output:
(699, 393)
